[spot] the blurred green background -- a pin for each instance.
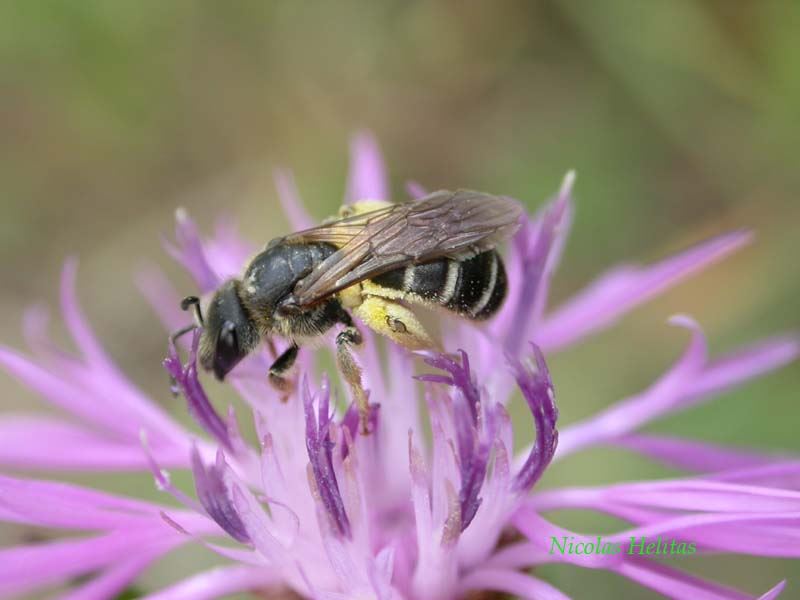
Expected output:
(681, 118)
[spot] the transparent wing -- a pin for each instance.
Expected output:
(444, 223)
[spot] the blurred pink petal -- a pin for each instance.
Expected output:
(367, 178)
(27, 442)
(617, 292)
(112, 581)
(780, 474)
(537, 247)
(680, 495)
(677, 584)
(35, 566)
(416, 190)
(163, 297)
(691, 455)
(291, 203)
(188, 250)
(218, 583)
(520, 585)
(689, 381)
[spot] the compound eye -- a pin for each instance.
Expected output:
(227, 353)
(228, 334)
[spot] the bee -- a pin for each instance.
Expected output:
(376, 261)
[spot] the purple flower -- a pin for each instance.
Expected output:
(326, 512)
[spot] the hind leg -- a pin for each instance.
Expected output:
(395, 321)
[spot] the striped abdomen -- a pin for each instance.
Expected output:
(474, 287)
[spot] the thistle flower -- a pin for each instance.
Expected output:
(319, 510)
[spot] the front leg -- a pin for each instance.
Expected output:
(350, 336)
(281, 365)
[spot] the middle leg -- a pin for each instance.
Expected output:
(348, 367)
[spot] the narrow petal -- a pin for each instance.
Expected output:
(416, 190)
(674, 495)
(367, 178)
(218, 583)
(752, 361)
(536, 249)
(563, 201)
(27, 442)
(62, 505)
(692, 455)
(774, 592)
(227, 251)
(28, 568)
(689, 381)
(163, 297)
(75, 320)
(111, 582)
(775, 534)
(81, 385)
(291, 202)
(781, 474)
(619, 291)
(112, 418)
(189, 252)
(507, 581)
(674, 583)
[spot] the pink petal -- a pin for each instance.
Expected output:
(66, 395)
(754, 534)
(163, 298)
(534, 253)
(747, 363)
(691, 455)
(416, 190)
(291, 202)
(677, 495)
(628, 414)
(518, 584)
(218, 583)
(189, 251)
(674, 583)
(564, 198)
(689, 381)
(62, 505)
(774, 592)
(622, 289)
(112, 581)
(367, 179)
(75, 320)
(227, 251)
(783, 474)
(27, 568)
(27, 442)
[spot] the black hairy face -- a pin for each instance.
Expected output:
(228, 334)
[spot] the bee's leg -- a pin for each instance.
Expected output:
(351, 336)
(395, 321)
(281, 365)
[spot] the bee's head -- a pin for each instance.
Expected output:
(228, 332)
